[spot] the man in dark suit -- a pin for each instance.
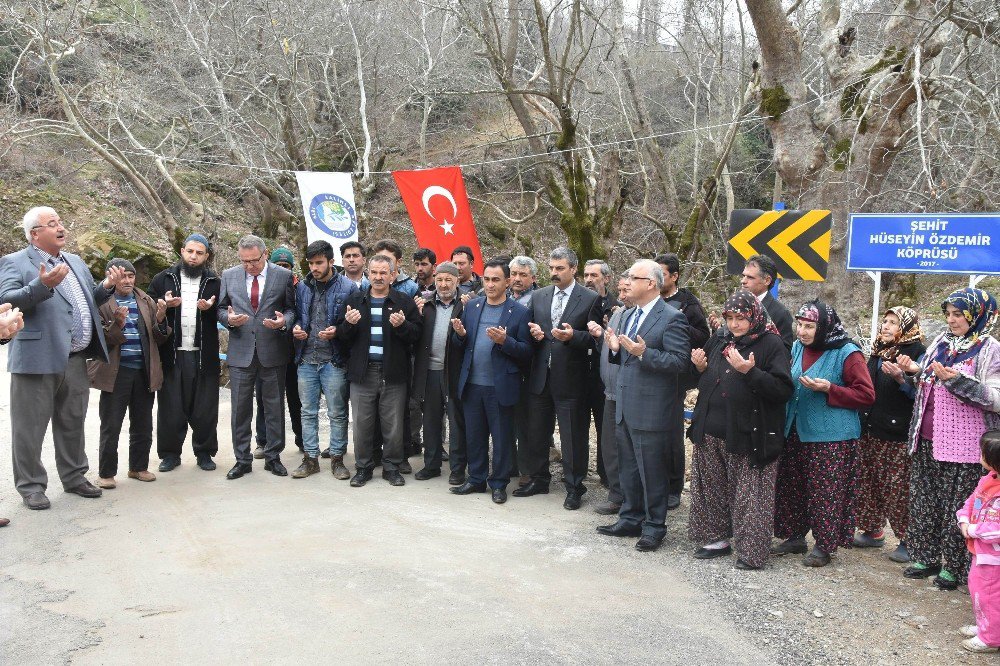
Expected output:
(494, 331)
(257, 305)
(759, 275)
(652, 350)
(559, 377)
(437, 362)
(47, 361)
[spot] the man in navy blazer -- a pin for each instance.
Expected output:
(652, 349)
(494, 331)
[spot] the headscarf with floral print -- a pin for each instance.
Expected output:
(746, 305)
(909, 331)
(830, 332)
(979, 309)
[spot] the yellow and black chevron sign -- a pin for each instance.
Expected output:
(797, 240)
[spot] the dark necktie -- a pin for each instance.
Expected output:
(634, 328)
(255, 294)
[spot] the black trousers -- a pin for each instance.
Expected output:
(436, 406)
(574, 438)
(595, 406)
(294, 407)
(131, 395)
(675, 453)
(188, 397)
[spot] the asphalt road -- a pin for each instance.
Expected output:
(194, 568)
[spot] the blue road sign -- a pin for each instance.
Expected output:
(925, 243)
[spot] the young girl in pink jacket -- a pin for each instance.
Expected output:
(979, 520)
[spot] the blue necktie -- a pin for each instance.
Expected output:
(634, 328)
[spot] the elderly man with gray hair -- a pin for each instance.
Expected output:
(48, 359)
(257, 305)
(437, 365)
(652, 347)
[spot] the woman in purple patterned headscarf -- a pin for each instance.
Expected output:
(817, 472)
(736, 429)
(957, 400)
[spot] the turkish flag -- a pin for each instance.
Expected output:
(439, 210)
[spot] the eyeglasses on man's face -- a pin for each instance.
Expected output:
(631, 278)
(53, 224)
(251, 262)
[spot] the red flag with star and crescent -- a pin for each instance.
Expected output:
(439, 210)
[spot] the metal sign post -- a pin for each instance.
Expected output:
(876, 301)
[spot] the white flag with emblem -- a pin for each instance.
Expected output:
(328, 205)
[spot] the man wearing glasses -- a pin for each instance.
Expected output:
(652, 347)
(257, 305)
(48, 359)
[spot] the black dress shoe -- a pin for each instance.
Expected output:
(169, 463)
(673, 502)
(572, 502)
(620, 529)
(499, 495)
(393, 477)
(325, 453)
(362, 477)
(426, 474)
(712, 553)
(36, 501)
(647, 544)
(86, 489)
(534, 488)
(275, 467)
(468, 488)
(206, 463)
(238, 470)
(456, 478)
(405, 467)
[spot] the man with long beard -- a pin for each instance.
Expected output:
(190, 357)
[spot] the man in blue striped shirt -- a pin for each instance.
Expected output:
(134, 327)
(380, 327)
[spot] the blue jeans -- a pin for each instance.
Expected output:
(331, 381)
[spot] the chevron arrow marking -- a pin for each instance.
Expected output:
(741, 241)
(780, 245)
(821, 245)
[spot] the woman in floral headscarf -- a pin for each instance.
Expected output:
(737, 431)
(958, 399)
(884, 469)
(817, 472)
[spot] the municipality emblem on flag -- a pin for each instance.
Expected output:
(334, 215)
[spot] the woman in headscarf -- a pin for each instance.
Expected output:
(884, 461)
(817, 472)
(737, 430)
(958, 399)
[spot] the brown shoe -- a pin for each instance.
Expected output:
(107, 484)
(308, 467)
(338, 468)
(144, 475)
(4, 522)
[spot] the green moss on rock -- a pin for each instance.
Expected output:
(97, 248)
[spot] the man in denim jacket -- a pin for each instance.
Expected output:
(320, 300)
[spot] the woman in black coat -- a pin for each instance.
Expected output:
(737, 430)
(884, 460)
